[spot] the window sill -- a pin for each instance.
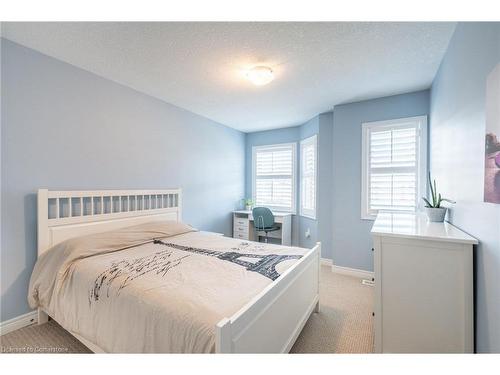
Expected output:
(308, 217)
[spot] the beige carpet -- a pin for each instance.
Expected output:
(344, 324)
(45, 338)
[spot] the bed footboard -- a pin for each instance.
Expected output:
(273, 320)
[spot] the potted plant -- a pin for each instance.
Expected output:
(433, 209)
(248, 203)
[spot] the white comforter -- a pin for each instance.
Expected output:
(128, 294)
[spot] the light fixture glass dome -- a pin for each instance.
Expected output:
(260, 75)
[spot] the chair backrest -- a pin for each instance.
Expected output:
(262, 218)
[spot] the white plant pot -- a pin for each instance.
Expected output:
(248, 207)
(435, 214)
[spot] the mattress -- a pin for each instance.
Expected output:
(158, 287)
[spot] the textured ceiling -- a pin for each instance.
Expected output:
(200, 66)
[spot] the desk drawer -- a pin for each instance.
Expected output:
(241, 235)
(240, 228)
(240, 222)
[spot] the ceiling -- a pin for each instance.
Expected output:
(201, 66)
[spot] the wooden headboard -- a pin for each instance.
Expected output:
(67, 214)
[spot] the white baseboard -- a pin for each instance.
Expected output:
(18, 322)
(360, 274)
(325, 262)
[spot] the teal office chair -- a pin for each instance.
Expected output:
(263, 220)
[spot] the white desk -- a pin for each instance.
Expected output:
(243, 227)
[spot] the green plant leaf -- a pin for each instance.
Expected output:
(448, 200)
(432, 190)
(438, 203)
(435, 195)
(437, 199)
(427, 203)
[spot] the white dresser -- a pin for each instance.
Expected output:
(423, 286)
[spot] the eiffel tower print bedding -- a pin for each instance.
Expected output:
(158, 287)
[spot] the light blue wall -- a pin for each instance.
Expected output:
(307, 130)
(322, 125)
(351, 235)
(457, 131)
(325, 174)
(344, 236)
(65, 128)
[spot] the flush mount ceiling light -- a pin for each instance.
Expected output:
(260, 75)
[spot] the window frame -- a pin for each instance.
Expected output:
(420, 122)
(293, 146)
(313, 140)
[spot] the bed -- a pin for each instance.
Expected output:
(272, 290)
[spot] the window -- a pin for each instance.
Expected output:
(394, 165)
(274, 176)
(308, 167)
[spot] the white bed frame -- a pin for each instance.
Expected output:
(269, 323)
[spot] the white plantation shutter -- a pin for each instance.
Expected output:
(393, 162)
(273, 176)
(308, 170)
